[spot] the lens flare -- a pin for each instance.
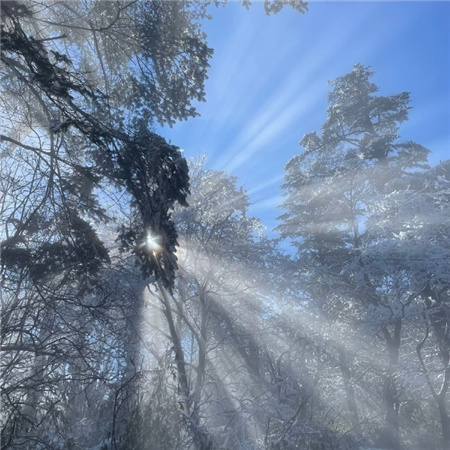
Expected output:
(152, 242)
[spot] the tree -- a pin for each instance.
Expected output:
(344, 216)
(422, 250)
(217, 242)
(83, 132)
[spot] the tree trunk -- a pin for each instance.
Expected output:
(391, 399)
(440, 321)
(391, 404)
(349, 391)
(200, 437)
(439, 397)
(445, 422)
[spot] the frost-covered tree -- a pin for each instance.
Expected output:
(353, 206)
(205, 319)
(71, 127)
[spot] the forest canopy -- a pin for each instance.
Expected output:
(143, 307)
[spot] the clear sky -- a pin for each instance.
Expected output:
(268, 79)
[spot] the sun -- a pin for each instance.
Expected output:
(152, 242)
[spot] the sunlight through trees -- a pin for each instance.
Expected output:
(144, 308)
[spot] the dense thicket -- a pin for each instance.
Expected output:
(81, 88)
(133, 321)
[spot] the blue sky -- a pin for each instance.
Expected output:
(267, 83)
